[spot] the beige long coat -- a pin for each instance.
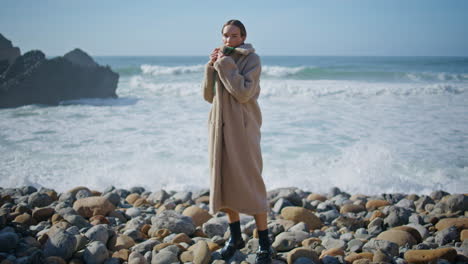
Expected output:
(234, 122)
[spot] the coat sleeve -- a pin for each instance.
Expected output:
(242, 86)
(208, 82)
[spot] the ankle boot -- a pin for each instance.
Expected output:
(234, 243)
(265, 252)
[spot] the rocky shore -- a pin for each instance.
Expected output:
(137, 226)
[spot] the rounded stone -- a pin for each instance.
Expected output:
(429, 255)
(300, 214)
(399, 237)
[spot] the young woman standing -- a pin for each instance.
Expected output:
(231, 85)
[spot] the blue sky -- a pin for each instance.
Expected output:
(329, 27)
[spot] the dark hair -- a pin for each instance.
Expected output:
(236, 23)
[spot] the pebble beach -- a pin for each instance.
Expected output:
(139, 226)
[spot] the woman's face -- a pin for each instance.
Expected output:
(232, 36)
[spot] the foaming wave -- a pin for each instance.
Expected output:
(279, 71)
(354, 88)
(168, 70)
(366, 167)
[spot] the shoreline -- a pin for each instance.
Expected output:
(138, 226)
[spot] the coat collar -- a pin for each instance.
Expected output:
(244, 49)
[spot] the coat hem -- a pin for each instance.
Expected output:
(241, 211)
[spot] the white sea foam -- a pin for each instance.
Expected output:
(168, 70)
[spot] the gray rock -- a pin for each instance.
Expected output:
(8, 241)
(422, 202)
(158, 197)
(405, 203)
(77, 220)
(61, 244)
(38, 199)
(453, 203)
(447, 235)
(275, 228)
(280, 204)
(136, 258)
(328, 243)
(95, 253)
(133, 212)
(79, 57)
(164, 257)
(182, 197)
(301, 226)
(421, 229)
(396, 216)
(113, 197)
(386, 246)
(355, 245)
(437, 195)
(215, 226)
(288, 240)
(329, 216)
(98, 233)
(83, 193)
(175, 222)
(415, 219)
(292, 194)
(145, 246)
(135, 223)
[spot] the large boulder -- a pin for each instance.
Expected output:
(33, 79)
(8, 53)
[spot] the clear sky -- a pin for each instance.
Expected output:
(177, 27)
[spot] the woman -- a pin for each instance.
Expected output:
(231, 84)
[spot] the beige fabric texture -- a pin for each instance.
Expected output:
(234, 123)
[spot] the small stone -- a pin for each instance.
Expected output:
(446, 236)
(302, 252)
(459, 223)
(186, 256)
(95, 252)
(399, 237)
(136, 258)
(61, 244)
(201, 254)
(42, 214)
(300, 214)
(371, 205)
(330, 243)
(8, 241)
(199, 216)
(164, 257)
(429, 255)
(215, 227)
(91, 206)
(38, 199)
(98, 233)
(120, 241)
(463, 235)
(182, 237)
(175, 222)
(122, 254)
(352, 208)
(352, 257)
(332, 252)
(316, 197)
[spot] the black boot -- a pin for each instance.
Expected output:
(264, 253)
(234, 243)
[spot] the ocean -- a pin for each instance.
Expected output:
(364, 124)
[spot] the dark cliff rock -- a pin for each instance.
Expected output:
(33, 79)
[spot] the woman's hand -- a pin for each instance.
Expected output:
(214, 55)
(220, 54)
